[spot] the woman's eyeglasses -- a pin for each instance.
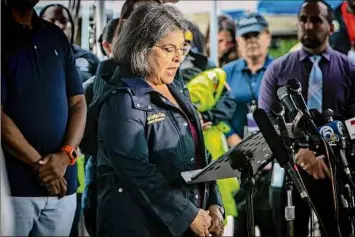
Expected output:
(171, 51)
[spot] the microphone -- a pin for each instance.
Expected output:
(274, 142)
(334, 133)
(328, 115)
(317, 117)
(278, 111)
(350, 127)
(287, 100)
(295, 89)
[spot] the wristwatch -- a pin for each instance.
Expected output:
(71, 151)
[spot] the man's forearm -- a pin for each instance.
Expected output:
(76, 123)
(15, 143)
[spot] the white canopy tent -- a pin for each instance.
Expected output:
(187, 7)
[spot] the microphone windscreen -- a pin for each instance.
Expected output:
(271, 136)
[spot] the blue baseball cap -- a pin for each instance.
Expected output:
(251, 23)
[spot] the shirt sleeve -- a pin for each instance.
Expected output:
(74, 82)
(228, 69)
(223, 110)
(226, 128)
(268, 89)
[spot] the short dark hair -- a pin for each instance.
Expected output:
(41, 14)
(108, 33)
(330, 15)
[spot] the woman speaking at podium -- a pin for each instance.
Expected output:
(149, 133)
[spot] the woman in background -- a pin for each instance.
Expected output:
(227, 44)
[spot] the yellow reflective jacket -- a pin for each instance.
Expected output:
(205, 90)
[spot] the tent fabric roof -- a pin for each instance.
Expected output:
(285, 6)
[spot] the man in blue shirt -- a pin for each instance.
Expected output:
(244, 75)
(334, 89)
(42, 119)
(244, 78)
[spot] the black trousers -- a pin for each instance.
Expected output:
(321, 194)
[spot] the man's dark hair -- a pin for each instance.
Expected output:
(330, 15)
(108, 33)
(41, 14)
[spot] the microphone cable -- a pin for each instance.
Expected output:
(333, 182)
(311, 232)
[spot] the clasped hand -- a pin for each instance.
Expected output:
(315, 166)
(208, 222)
(51, 170)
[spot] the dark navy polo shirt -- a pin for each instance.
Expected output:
(38, 76)
(240, 79)
(338, 79)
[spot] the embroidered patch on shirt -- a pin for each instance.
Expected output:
(82, 64)
(156, 117)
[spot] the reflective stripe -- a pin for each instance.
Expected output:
(223, 127)
(80, 164)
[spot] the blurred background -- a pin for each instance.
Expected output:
(91, 16)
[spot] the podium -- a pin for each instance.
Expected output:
(252, 150)
(244, 161)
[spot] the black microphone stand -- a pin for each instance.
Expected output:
(278, 112)
(351, 202)
(347, 202)
(290, 209)
(248, 183)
